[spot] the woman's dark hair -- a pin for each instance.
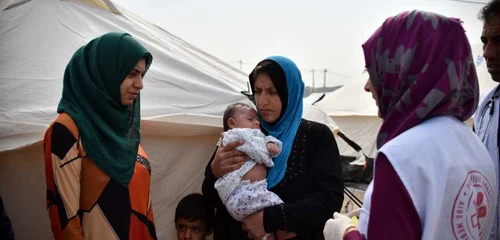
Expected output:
(491, 10)
(195, 207)
(261, 68)
(230, 110)
(278, 77)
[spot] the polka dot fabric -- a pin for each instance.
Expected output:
(243, 199)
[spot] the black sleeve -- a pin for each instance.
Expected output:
(208, 188)
(326, 196)
(5, 225)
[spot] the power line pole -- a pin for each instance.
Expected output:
(241, 63)
(324, 78)
(313, 79)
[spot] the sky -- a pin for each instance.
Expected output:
(315, 34)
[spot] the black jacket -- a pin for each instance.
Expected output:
(312, 189)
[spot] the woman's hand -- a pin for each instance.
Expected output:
(254, 226)
(228, 159)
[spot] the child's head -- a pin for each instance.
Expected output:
(240, 115)
(194, 218)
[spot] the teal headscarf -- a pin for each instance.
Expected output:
(291, 92)
(110, 132)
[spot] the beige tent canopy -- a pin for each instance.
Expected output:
(186, 91)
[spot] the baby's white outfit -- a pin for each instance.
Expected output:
(242, 197)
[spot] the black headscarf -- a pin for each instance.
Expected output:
(278, 77)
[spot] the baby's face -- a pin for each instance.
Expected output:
(246, 118)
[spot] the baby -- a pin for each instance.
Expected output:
(244, 191)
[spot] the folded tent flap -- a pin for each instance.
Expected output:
(7, 4)
(104, 4)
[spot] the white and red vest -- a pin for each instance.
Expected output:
(449, 176)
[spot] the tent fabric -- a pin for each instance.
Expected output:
(355, 111)
(5, 4)
(177, 164)
(186, 91)
(10, 3)
(32, 69)
(314, 97)
(350, 100)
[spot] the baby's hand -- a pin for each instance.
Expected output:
(272, 148)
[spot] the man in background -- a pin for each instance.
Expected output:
(486, 118)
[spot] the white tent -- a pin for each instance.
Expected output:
(355, 111)
(186, 91)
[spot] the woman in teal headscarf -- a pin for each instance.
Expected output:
(307, 175)
(98, 177)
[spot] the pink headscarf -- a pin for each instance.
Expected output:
(421, 66)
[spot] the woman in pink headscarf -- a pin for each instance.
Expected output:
(433, 178)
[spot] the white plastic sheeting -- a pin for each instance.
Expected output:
(185, 94)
